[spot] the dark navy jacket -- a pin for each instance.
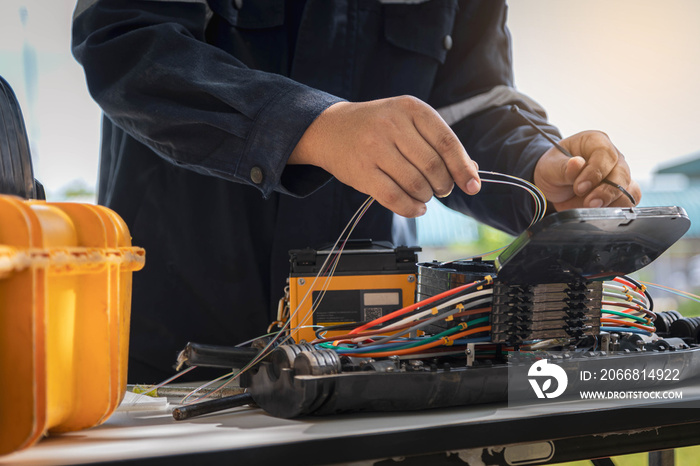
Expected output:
(205, 100)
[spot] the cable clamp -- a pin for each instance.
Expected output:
(447, 342)
(434, 311)
(463, 326)
(450, 318)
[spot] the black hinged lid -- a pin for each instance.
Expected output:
(591, 244)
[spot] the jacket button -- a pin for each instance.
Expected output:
(256, 175)
(447, 42)
(238, 4)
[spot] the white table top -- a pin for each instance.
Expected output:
(149, 434)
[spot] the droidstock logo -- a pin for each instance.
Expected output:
(542, 370)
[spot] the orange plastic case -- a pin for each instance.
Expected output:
(65, 303)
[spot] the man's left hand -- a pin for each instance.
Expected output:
(574, 182)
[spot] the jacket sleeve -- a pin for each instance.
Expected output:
(148, 66)
(473, 92)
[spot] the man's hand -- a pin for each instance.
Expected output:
(577, 182)
(398, 150)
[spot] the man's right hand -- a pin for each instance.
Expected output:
(397, 150)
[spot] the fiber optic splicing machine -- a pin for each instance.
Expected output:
(387, 334)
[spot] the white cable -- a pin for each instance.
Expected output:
(449, 303)
(642, 297)
(438, 317)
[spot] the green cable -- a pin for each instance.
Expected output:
(623, 314)
(423, 341)
(456, 329)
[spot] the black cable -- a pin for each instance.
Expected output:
(641, 287)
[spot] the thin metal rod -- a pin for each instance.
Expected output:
(211, 406)
(184, 390)
(516, 109)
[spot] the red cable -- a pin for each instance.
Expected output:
(412, 307)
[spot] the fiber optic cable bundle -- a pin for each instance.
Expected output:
(467, 307)
(517, 316)
(627, 307)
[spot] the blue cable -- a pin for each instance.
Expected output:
(465, 341)
(625, 330)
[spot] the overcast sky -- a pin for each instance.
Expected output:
(628, 67)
